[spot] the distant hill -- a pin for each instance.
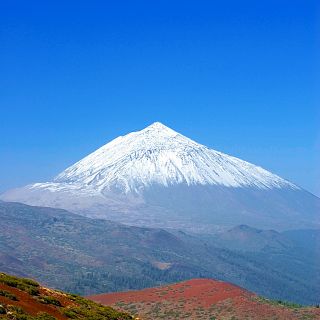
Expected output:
(25, 299)
(90, 256)
(203, 299)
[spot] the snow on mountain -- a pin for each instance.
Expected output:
(159, 155)
(157, 177)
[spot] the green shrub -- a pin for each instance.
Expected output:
(95, 312)
(17, 313)
(8, 295)
(289, 304)
(31, 290)
(23, 284)
(29, 282)
(49, 300)
(70, 313)
(15, 309)
(280, 302)
(2, 309)
(44, 316)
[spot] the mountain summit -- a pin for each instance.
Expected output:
(159, 155)
(159, 177)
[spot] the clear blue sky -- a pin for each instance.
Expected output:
(238, 76)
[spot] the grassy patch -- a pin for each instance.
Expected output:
(8, 295)
(82, 309)
(17, 313)
(280, 303)
(87, 309)
(49, 300)
(27, 285)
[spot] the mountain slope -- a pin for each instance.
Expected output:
(89, 256)
(158, 177)
(159, 155)
(25, 299)
(204, 299)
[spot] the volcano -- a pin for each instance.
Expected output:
(158, 177)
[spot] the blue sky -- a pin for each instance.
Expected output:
(238, 76)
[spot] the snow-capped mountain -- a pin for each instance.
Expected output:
(157, 176)
(159, 155)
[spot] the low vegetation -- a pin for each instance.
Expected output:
(86, 309)
(8, 295)
(17, 313)
(286, 304)
(50, 300)
(27, 285)
(25, 299)
(204, 299)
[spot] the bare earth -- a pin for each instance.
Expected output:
(202, 299)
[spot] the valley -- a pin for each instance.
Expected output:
(89, 256)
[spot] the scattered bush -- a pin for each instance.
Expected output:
(17, 313)
(8, 295)
(280, 302)
(81, 310)
(30, 282)
(50, 300)
(27, 285)
(2, 309)
(44, 316)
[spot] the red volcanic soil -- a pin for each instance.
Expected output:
(204, 292)
(23, 299)
(202, 299)
(33, 307)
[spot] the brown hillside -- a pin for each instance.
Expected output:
(25, 299)
(203, 299)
